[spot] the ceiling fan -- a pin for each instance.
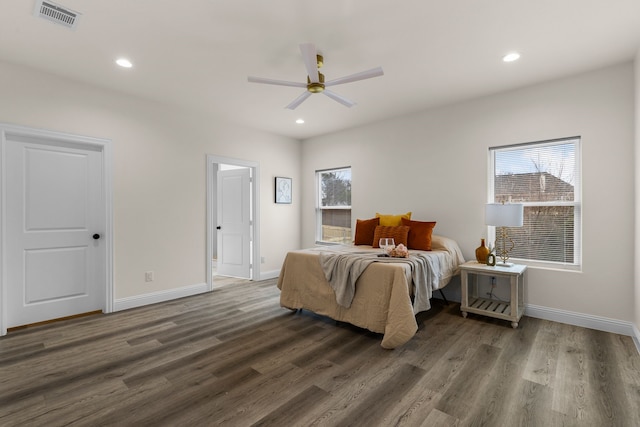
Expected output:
(315, 80)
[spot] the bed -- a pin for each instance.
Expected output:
(385, 299)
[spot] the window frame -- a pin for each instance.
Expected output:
(576, 265)
(320, 208)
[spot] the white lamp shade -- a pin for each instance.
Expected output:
(504, 215)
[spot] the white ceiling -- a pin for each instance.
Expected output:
(198, 53)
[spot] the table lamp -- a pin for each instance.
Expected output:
(502, 216)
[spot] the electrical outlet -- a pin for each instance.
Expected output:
(262, 260)
(148, 276)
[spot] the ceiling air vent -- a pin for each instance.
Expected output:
(55, 13)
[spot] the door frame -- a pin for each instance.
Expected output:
(104, 146)
(212, 161)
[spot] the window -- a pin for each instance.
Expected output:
(545, 178)
(333, 212)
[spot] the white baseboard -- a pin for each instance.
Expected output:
(584, 320)
(160, 296)
(264, 275)
(636, 337)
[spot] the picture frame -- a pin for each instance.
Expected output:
(283, 190)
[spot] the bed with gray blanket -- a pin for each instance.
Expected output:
(352, 284)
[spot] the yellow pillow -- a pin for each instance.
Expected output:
(392, 220)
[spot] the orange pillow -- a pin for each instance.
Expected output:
(399, 234)
(419, 234)
(365, 228)
(392, 220)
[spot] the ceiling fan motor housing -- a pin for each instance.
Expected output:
(316, 87)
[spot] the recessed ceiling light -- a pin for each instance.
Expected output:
(299, 121)
(123, 62)
(510, 57)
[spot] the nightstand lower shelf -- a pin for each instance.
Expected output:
(499, 309)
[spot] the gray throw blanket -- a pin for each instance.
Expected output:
(343, 270)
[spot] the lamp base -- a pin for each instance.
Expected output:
(504, 264)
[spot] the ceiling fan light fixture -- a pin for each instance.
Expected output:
(316, 87)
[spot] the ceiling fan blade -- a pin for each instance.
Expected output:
(374, 72)
(275, 82)
(299, 100)
(341, 99)
(309, 56)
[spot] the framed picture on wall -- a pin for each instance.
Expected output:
(283, 190)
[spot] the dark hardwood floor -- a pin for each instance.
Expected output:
(234, 357)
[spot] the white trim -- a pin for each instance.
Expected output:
(578, 319)
(211, 228)
(159, 296)
(3, 275)
(636, 337)
(107, 161)
(104, 145)
(269, 274)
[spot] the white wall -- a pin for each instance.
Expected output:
(439, 163)
(159, 173)
(637, 199)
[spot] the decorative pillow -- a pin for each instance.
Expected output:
(365, 228)
(419, 234)
(392, 220)
(399, 234)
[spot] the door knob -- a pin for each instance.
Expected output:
(96, 236)
(218, 228)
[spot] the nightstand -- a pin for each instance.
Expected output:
(508, 310)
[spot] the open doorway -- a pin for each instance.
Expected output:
(232, 220)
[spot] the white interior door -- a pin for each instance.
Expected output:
(234, 223)
(54, 225)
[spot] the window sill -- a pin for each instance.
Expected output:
(553, 266)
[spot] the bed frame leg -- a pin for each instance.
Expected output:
(443, 297)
